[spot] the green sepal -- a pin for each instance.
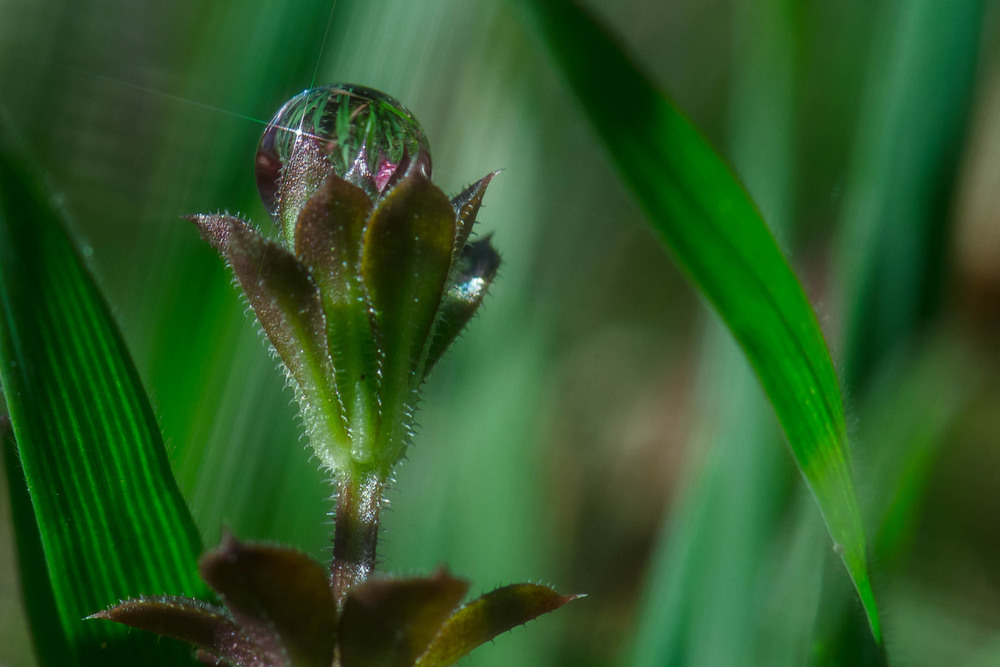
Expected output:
(280, 597)
(328, 240)
(486, 617)
(287, 303)
(391, 622)
(405, 264)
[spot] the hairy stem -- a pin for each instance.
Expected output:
(355, 533)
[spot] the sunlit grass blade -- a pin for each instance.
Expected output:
(741, 476)
(111, 520)
(704, 216)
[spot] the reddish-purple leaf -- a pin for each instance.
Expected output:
(193, 621)
(488, 616)
(280, 597)
(390, 622)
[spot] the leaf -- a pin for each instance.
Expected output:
(328, 240)
(191, 621)
(110, 518)
(280, 597)
(717, 236)
(487, 617)
(405, 264)
(390, 622)
(467, 205)
(287, 304)
(51, 645)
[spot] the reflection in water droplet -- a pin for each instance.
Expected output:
(470, 290)
(367, 137)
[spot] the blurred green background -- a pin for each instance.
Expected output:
(595, 429)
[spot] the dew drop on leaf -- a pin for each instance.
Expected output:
(367, 138)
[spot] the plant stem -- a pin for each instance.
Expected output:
(355, 533)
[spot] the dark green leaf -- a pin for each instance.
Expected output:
(390, 622)
(191, 621)
(487, 617)
(717, 236)
(287, 304)
(405, 264)
(280, 597)
(111, 520)
(328, 241)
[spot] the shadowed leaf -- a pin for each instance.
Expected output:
(287, 304)
(280, 597)
(487, 617)
(717, 236)
(192, 621)
(471, 278)
(390, 622)
(405, 264)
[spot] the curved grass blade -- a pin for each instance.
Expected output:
(718, 238)
(111, 520)
(51, 648)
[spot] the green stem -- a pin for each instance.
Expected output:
(355, 533)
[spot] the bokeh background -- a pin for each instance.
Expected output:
(595, 429)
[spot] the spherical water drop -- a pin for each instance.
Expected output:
(366, 137)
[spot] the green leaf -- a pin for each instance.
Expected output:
(717, 236)
(487, 617)
(280, 597)
(111, 520)
(287, 304)
(391, 622)
(51, 645)
(405, 265)
(328, 239)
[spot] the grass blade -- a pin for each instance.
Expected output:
(39, 602)
(718, 238)
(111, 520)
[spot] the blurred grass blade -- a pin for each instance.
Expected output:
(111, 519)
(717, 236)
(894, 230)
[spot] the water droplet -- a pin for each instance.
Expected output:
(367, 138)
